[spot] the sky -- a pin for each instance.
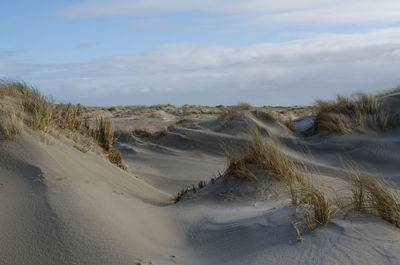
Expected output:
(209, 52)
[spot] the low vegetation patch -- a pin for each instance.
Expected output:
(115, 157)
(43, 114)
(345, 114)
(231, 109)
(318, 206)
(143, 132)
(304, 192)
(103, 133)
(163, 132)
(11, 124)
(232, 113)
(266, 156)
(373, 195)
(192, 189)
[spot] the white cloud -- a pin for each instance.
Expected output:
(124, 7)
(264, 12)
(296, 72)
(348, 12)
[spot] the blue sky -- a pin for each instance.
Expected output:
(211, 52)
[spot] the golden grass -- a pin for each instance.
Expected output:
(115, 157)
(163, 132)
(271, 159)
(103, 133)
(373, 195)
(230, 109)
(267, 115)
(143, 132)
(237, 167)
(172, 127)
(232, 113)
(43, 114)
(264, 155)
(345, 114)
(10, 123)
(314, 196)
(181, 120)
(290, 125)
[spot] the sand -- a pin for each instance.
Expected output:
(62, 206)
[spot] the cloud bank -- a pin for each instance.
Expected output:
(287, 73)
(261, 12)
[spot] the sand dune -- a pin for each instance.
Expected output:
(63, 206)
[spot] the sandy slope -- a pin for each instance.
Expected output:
(62, 206)
(66, 207)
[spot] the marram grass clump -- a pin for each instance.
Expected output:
(345, 114)
(24, 105)
(373, 195)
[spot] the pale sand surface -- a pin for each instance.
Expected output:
(62, 206)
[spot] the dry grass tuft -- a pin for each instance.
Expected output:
(163, 132)
(11, 124)
(264, 155)
(237, 166)
(329, 123)
(266, 115)
(315, 198)
(228, 119)
(103, 133)
(232, 113)
(297, 226)
(181, 120)
(345, 114)
(272, 159)
(290, 125)
(115, 157)
(143, 132)
(230, 109)
(184, 191)
(172, 127)
(375, 196)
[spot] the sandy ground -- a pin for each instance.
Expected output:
(62, 206)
